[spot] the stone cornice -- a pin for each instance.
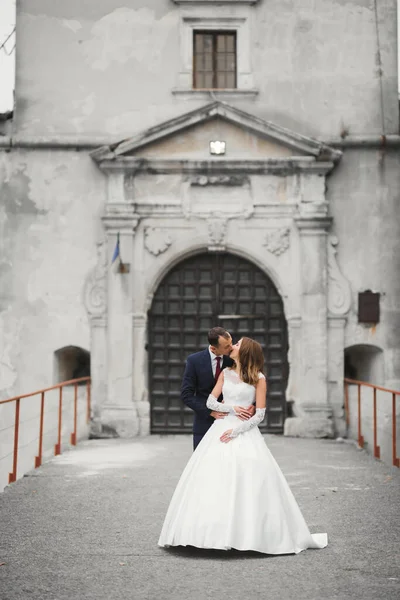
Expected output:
(215, 2)
(87, 142)
(120, 217)
(314, 224)
(223, 94)
(274, 166)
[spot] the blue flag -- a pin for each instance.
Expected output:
(116, 251)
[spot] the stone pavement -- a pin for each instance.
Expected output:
(86, 525)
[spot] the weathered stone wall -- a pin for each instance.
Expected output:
(110, 67)
(50, 219)
(108, 70)
(51, 209)
(364, 201)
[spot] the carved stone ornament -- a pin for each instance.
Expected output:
(226, 180)
(277, 241)
(156, 240)
(216, 232)
(95, 288)
(339, 290)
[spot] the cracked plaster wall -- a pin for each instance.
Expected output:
(51, 201)
(364, 197)
(108, 67)
(50, 209)
(49, 222)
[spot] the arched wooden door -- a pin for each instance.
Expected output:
(201, 292)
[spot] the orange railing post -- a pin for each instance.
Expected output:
(57, 447)
(377, 450)
(73, 435)
(396, 461)
(346, 403)
(13, 476)
(88, 399)
(394, 394)
(360, 437)
(38, 458)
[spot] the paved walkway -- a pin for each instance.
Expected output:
(86, 525)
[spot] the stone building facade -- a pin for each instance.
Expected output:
(267, 207)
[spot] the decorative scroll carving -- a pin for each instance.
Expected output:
(277, 240)
(95, 288)
(216, 232)
(226, 180)
(339, 290)
(156, 240)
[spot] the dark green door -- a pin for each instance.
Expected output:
(201, 292)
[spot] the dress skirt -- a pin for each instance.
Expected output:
(234, 495)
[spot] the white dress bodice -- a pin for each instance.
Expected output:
(235, 391)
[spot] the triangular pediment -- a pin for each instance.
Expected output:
(246, 137)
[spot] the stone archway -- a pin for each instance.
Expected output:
(198, 293)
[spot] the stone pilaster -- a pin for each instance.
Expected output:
(119, 412)
(95, 300)
(294, 358)
(313, 416)
(140, 368)
(336, 327)
(339, 303)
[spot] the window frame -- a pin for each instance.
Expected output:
(214, 33)
(215, 18)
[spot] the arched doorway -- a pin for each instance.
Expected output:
(200, 292)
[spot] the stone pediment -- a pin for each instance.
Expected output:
(188, 137)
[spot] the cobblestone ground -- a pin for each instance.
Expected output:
(86, 525)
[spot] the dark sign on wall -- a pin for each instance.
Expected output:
(368, 307)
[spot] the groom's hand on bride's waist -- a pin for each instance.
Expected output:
(244, 414)
(217, 415)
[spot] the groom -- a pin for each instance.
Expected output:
(201, 374)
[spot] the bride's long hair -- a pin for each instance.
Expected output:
(251, 359)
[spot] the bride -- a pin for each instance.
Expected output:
(232, 493)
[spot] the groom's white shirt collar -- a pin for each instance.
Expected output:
(212, 355)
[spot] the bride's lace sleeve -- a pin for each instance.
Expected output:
(213, 404)
(250, 423)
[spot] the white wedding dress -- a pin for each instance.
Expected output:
(234, 495)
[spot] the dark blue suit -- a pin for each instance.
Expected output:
(198, 382)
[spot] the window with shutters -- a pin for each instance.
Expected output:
(214, 59)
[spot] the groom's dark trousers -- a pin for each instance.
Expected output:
(197, 384)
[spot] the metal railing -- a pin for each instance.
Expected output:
(375, 388)
(57, 448)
